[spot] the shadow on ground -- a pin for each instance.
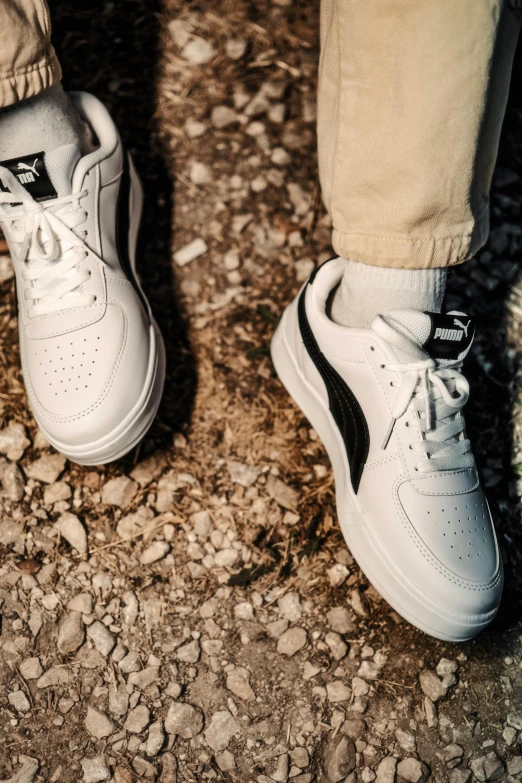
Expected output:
(112, 50)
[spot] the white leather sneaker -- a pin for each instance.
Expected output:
(92, 356)
(387, 404)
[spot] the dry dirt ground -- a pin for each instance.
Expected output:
(217, 628)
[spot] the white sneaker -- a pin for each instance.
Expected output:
(387, 404)
(92, 356)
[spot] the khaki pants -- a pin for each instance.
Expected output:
(411, 99)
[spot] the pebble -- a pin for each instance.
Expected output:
(19, 701)
(47, 468)
(71, 633)
(341, 760)
(123, 775)
(98, 723)
(103, 639)
(223, 116)
(303, 269)
(281, 769)
(169, 768)
(137, 522)
(386, 770)
(184, 720)
(190, 652)
(337, 645)
(280, 156)
(290, 607)
(225, 761)
(142, 768)
(515, 719)
(339, 619)
(13, 440)
(406, 740)
(190, 252)
(226, 557)
(156, 551)
(95, 769)
(291, 641)
(238, 681)
(244, 611)
(200, 174)
(488, 767)
(6, 269)
(195, 129)
(236, 48)
(13, 482)
(27, 771)
(73, 531)
(337, 691)
(155, 738)
(222, 728)
(244, 475)
(119, 491)
(338, 574)
(138, 719)
(431, 685)
(82, 602)
(60, 490)
(118, 700)
(282, 493)
(31, 669)
(369, 670)
(198, 51)
(130, 663)
(300, 757)
(413, 770)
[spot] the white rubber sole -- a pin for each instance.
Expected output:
(367, 549)
(132, 429)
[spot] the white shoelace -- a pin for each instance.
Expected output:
(437, 394)
(50, 251)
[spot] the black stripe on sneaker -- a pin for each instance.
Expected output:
(123, 229)
(343, 404)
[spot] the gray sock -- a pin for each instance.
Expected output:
(42, 124)
(366, 291)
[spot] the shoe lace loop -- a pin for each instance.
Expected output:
(50, 251)
(437, 394)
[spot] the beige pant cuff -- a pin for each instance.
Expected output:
(411, 253)
(29, 81)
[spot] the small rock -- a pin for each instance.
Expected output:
(198, 51)
(225, 761)
(238, 681)
(369, 670)
(514, 765)
(291, 641)
(143, 768)
(337, 691)
(139, 521)
(13, 441)
(459, 775)
(386, 770)
(359, 603)
(184, 720)
(338, 574)
(413, 770)
(31, 669)
(98, 724)
(13, 482)
(281, 769)
(226, 558)
(190, 252)
(236, 48)
(190, 652)
(222, 728)
(245, 475)
(103, 639)
(118, 700)
(406, 740)
(60, 490)
(54, 676)
(156, 551)
(340, 620)
(488, 767)
(290, 607)
(282, 493)
(341, 760)
(138, 719)
(337, 645)
(223, 116)
(71, 633)
(119, 491)
(300, 757)
(123, 775)
(276, 628)
(155, 738)
(95, 769)
(148, 469)
(19, 701)
(130, 663)
(73, 531)
(26, 772)
(515, 719)
(47, 468)
(200, 174)
(431, 685)
(82, 602)
(169, 768)
(244, 611)
(6, 269)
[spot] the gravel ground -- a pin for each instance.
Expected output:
(191, 612)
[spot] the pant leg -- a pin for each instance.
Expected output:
(28, 63)
(412, 95)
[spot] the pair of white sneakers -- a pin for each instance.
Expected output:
(387, 401)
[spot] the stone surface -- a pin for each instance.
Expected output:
(119, 491)
(46, 469)
(339, 619)
(103, 639)
(431, 685)
(291, 641)
(184, 720)
(98, 724)
(95, 769)
(73, 531)
(71, 633)
(138, 719)
(31, 668)
(412, 770)
(341, 759)
(222, 728)
(238, 681)
(386, 770)
(13, 441)
(156, 551)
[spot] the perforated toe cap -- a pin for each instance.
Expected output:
(456, 529)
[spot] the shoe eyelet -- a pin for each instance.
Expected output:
(372, 348)
(382, 366)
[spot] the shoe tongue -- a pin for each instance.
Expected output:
(446, 337)
(45, 175)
